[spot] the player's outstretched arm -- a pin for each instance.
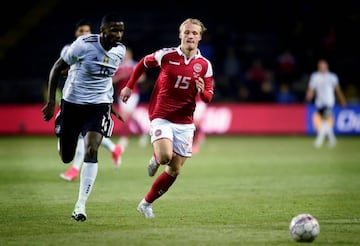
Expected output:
(309, 95)
(55, 73)
(340, 95)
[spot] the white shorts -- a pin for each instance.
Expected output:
(131, 104)
(181, 135)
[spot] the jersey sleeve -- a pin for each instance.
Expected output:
(208, 93)
(312, 81)
(75, 51)
(63, 50)
(154, 59)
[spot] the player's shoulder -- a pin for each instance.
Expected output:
(315, 74)
(166, 50)
(334, 77)
(119, 50)
(163, 53)
(86, 40)
(205, 62)
(204, 59)
(121, 47)
(89, 38)
(64, 49)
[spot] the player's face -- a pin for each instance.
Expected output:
(323, 66)
(113, 33)
(85, 29)
(190, 36)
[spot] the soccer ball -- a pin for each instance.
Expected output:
(304, 228)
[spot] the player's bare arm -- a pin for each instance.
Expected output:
(55, 73)
(340, 95)
(309, 95)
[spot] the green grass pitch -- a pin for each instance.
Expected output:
(238, 190)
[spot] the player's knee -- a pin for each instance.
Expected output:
(91, 152)
(67, 158)
(173, 171)
(164, 159)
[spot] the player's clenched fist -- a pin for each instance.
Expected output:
(200, 84)
(48, 111)
(125, 94)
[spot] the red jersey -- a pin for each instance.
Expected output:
(174, 94)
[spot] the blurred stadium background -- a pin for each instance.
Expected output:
(262, 52)
(239, 190)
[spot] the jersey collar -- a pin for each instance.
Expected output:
(179, 51)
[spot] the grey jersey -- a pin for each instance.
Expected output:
(324, 85)
(64, 49)
(89, 79)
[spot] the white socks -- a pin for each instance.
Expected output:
(87, 179)
(123, 141)
(325, 130)
(79, 154)
(331, 136)
(108, 144)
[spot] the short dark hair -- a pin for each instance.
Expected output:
(82, 22)
(111, 17)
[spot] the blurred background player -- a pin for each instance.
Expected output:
(83, 27)
(199, 134)
(127, 110)
(323, 85)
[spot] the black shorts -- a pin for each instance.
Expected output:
(325, 112)
(74, 119)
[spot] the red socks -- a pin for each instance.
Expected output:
(161, 184)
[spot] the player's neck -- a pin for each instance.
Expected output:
(189, 53)
(105, 44)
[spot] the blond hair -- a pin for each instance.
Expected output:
(195, 22)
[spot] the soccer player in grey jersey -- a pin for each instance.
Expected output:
(323, 85)
(87, 99)
(83, 27)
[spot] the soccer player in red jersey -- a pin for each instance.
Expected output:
(184, 73)
(199, 115)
